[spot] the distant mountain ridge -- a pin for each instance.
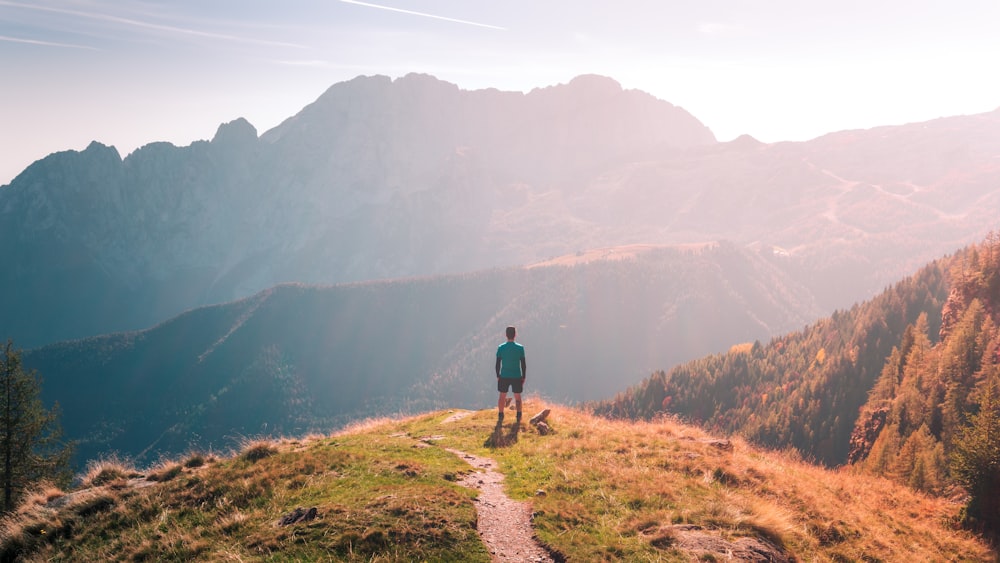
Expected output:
(382, 178)
(297, 358)
(376, 179)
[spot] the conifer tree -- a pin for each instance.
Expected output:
(31, 448)
(976, 462)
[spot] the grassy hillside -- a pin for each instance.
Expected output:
(300, 358)
(386, 491)
(920, 363)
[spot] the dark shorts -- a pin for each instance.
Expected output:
(504, 384)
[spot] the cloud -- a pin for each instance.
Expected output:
(134, 23)
(422, 14)
(44, 43)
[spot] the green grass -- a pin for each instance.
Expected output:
(616, 490)
(378, 498)
(386, 491)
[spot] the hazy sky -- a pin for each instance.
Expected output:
(130, 72)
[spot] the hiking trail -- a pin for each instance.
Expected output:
(503, 523)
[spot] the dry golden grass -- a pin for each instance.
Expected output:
(622, 490)
(40, 495)
(198, 459)
(257, 449)
(376, 499)
(108, 470)
(165, 472)
(372, 424)
(385, 490)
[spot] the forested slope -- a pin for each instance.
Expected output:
(932, 419)
(801, 390)
(919, 362)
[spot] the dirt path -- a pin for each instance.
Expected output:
(503, 523)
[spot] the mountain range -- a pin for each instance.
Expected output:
(376, 179)
(297, 358)
(826, 299)
(610, 226)
(383, 179)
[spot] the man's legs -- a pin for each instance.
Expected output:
(517, 399)
(502, 402)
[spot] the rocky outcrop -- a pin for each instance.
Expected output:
(298, 515)
(865, 433)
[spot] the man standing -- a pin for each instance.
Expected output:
(511, 371)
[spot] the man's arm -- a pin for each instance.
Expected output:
(524, 369)
(498, 367)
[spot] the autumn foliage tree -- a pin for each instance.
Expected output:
(976, 462)
(31, 449)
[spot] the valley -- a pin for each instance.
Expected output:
(828, 306)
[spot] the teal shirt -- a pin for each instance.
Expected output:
(510, 355)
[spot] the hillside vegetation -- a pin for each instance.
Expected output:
(920, 422)
(803, 389)
(387, 491)
(300, 358)
(919, 363)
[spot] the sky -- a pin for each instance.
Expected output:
(131, 72)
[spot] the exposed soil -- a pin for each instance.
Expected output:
(456, 415)
(503, 523)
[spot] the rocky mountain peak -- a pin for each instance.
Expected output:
(595, 83)
(360, 87)
(100, 148)
(425, 81)
(236, 132)
(746, 142)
